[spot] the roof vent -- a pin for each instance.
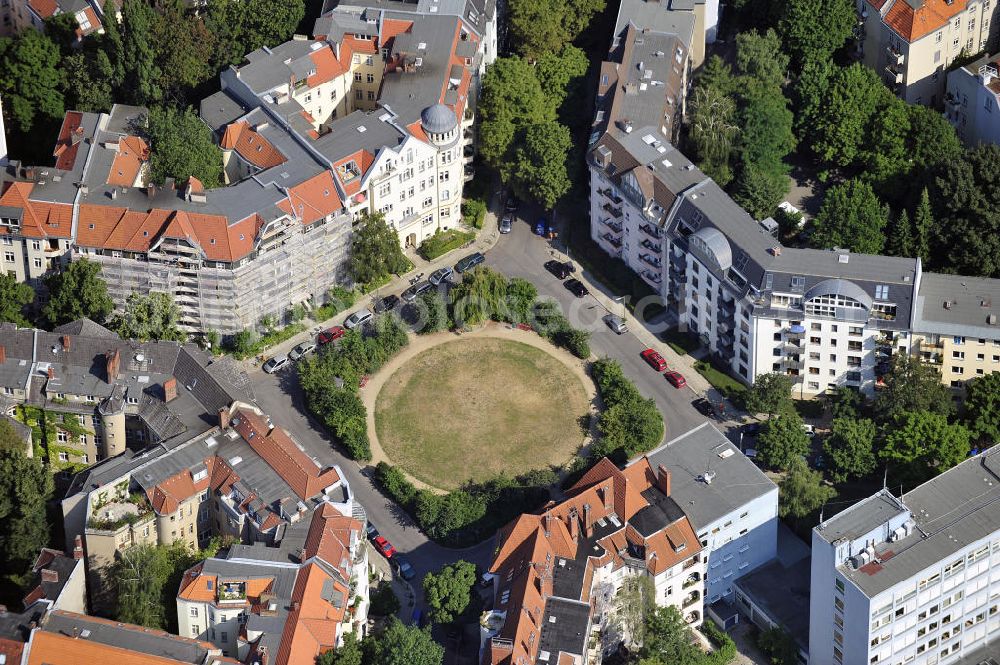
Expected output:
(947, 304)
(991, 319)
(843, 258)
(708, 477)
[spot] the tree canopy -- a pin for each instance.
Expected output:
(152, 317)
(14, 297)
(912, 385)
(851, 447)
(538, 170)
(25, 487)
(512, 99)
(812, 30)
(924, 444)
(375, 252)
(851, 217)
(77, 292)
(782, 441)
(770, 394)
(181, 146)
(405, 645)
(982, 407)
(802, 490)
(449, 592)
(545, 26)
(30, 80)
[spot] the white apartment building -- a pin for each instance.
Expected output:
(972, 104)
(731, 504)
(911, 579)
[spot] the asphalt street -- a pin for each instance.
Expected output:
(517, 254)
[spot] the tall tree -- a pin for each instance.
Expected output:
(851, 447)
(886, 153)
(923, 224)
(14, 297)
(899, 241)
(538, 170)
(449, 592)
(184, 49)
(803, 490)
(910, 386)
(982, 407)
(628, 428)
(545, 26)
(924, 444)
(112, 43)
(266, 22)
(759, 189)
(30, 79)
(713, 130)
(181, 146)
(851, 217)
(782, 440)
(966, 194)
(559, 73)
(88, 80)
(406, 645)
(25, 487)
(152, 317)
(718, 75)
(77, 292)
(668, 639)
(848, 108)
(809, 96)
(766, 137)
(815, 29)
(348, 653)
(139, 55)
(770, 393)
(634, 602)
(512, 99)
(760, 56)
(932, 137)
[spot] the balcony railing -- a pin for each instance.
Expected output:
(614, 211)
(691, 598)
(690, 562)
(616, 242)
(691, 580)
(650, 246)
(894, 73)
(651, 260)
(650, 231)
(652, 277)
(895, 57)
(614, 226)
(608, 194)
(793, 361)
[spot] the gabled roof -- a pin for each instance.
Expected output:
(251, 146)
(132, 155)
(314, 199)
(912, 23)
(39, 219)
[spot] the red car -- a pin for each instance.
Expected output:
(654, 359)
(676, 379)
(331, 334)
(384, 547)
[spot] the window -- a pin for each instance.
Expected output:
(61, 436)
(195, 630)
(194, 611)
(37, 263)
(881, 291)
(798, 283)
(840, 586)
(8, 257)
(357, 76)
(369, 61)
(937, 38)
(63, 457)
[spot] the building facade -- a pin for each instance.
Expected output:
(910, 579)
(972, 104)
(911, 43)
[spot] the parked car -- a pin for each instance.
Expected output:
(300, 351)
(751, 429)
(676, 379)
(655, 360)
(331, 334)
(512, 204)
(440, 275)
(542, 227)
(559, 269)
(819, 462)
(386, 304)
(507, 223)
(359, 318)
(809, 430)
(405, 569)
(274, 363)
(411, 294)
(469, 262)
(384, 546)
(704, 407)
(616, 323)
(371, 531)
(576, 287)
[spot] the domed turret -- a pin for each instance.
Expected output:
(438, 119)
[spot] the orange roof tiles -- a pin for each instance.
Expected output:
(70, 135)
(912, 24)
(391, 27)
(327, 66)
(277, 449)
(12, 649)
(44, 8)
(132, 155)
(313, 200)
(40, 219)
(312, 625)
(329, 537)
(251, 146)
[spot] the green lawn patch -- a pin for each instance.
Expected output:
(443, 242)
(681, 343)
(721, 380)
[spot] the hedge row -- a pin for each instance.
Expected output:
(443, 242)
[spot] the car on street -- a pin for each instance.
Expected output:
(386, 304)
(440, 275)
(576, 287)
(331, 334)
(676, 379)
(809, 430)
(274, 363)
(359, 318)
(507, 223)
(384, 546)
(512, 204)
(300, 351)
(469, 262)
(616, 323)
(411, 294)
(561, 269)
(704, 407)
(404, 567)
(655, 360)
(371, 531)
(752, 429)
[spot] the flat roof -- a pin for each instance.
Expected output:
(564, 626)
(736, 482)
(783, 594)
(957, 305)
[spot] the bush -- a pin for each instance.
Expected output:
(433, 313)
(630, 424)
(396, 484)
(724, 383)
(575, 341)
(383, 601)
(247, 343)
(725, 648)
(443, 242)
(338, 299)
(473, 212)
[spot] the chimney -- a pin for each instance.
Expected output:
(574, 525)
(52, 372)
(608, 497)
(170, 389)
(3, 354)
(151, 191)
(223, 418)
(663, 476)
(76, 632)
(114, 359)
(66, 342)
(547, 520)
(78, 548)
(587, 530)
(49, 575)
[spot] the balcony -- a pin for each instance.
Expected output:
(650, 246)
(614, 211)
(651, 260)
(691, 580)
(614, 226)
(795, 362)
(615, 242)
(650, 231)
(691, 598)
(652, 277)
(895, 75)
(610, 195)
(692, 617)
(895, 57)
(693, 561)
(795, 332)
(792, 345)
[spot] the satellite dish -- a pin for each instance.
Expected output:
(139, 357)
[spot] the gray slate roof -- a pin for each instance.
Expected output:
(736, 482)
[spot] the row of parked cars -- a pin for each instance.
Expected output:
(385, 548)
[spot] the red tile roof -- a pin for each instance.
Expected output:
(40, 219)
(70, 135)
(132, 155)
(330, 535)
(912, 24)
(44, 8)
(327, 66)
(277, 449)
(251, 146)
(312, 625)
(313, 200)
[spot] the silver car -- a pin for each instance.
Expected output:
(274, 363)
(506, 224)
(616, 323)
(359, 318)
(301, 351)
(440, 275)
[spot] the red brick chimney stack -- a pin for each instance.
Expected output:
(663, 475)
